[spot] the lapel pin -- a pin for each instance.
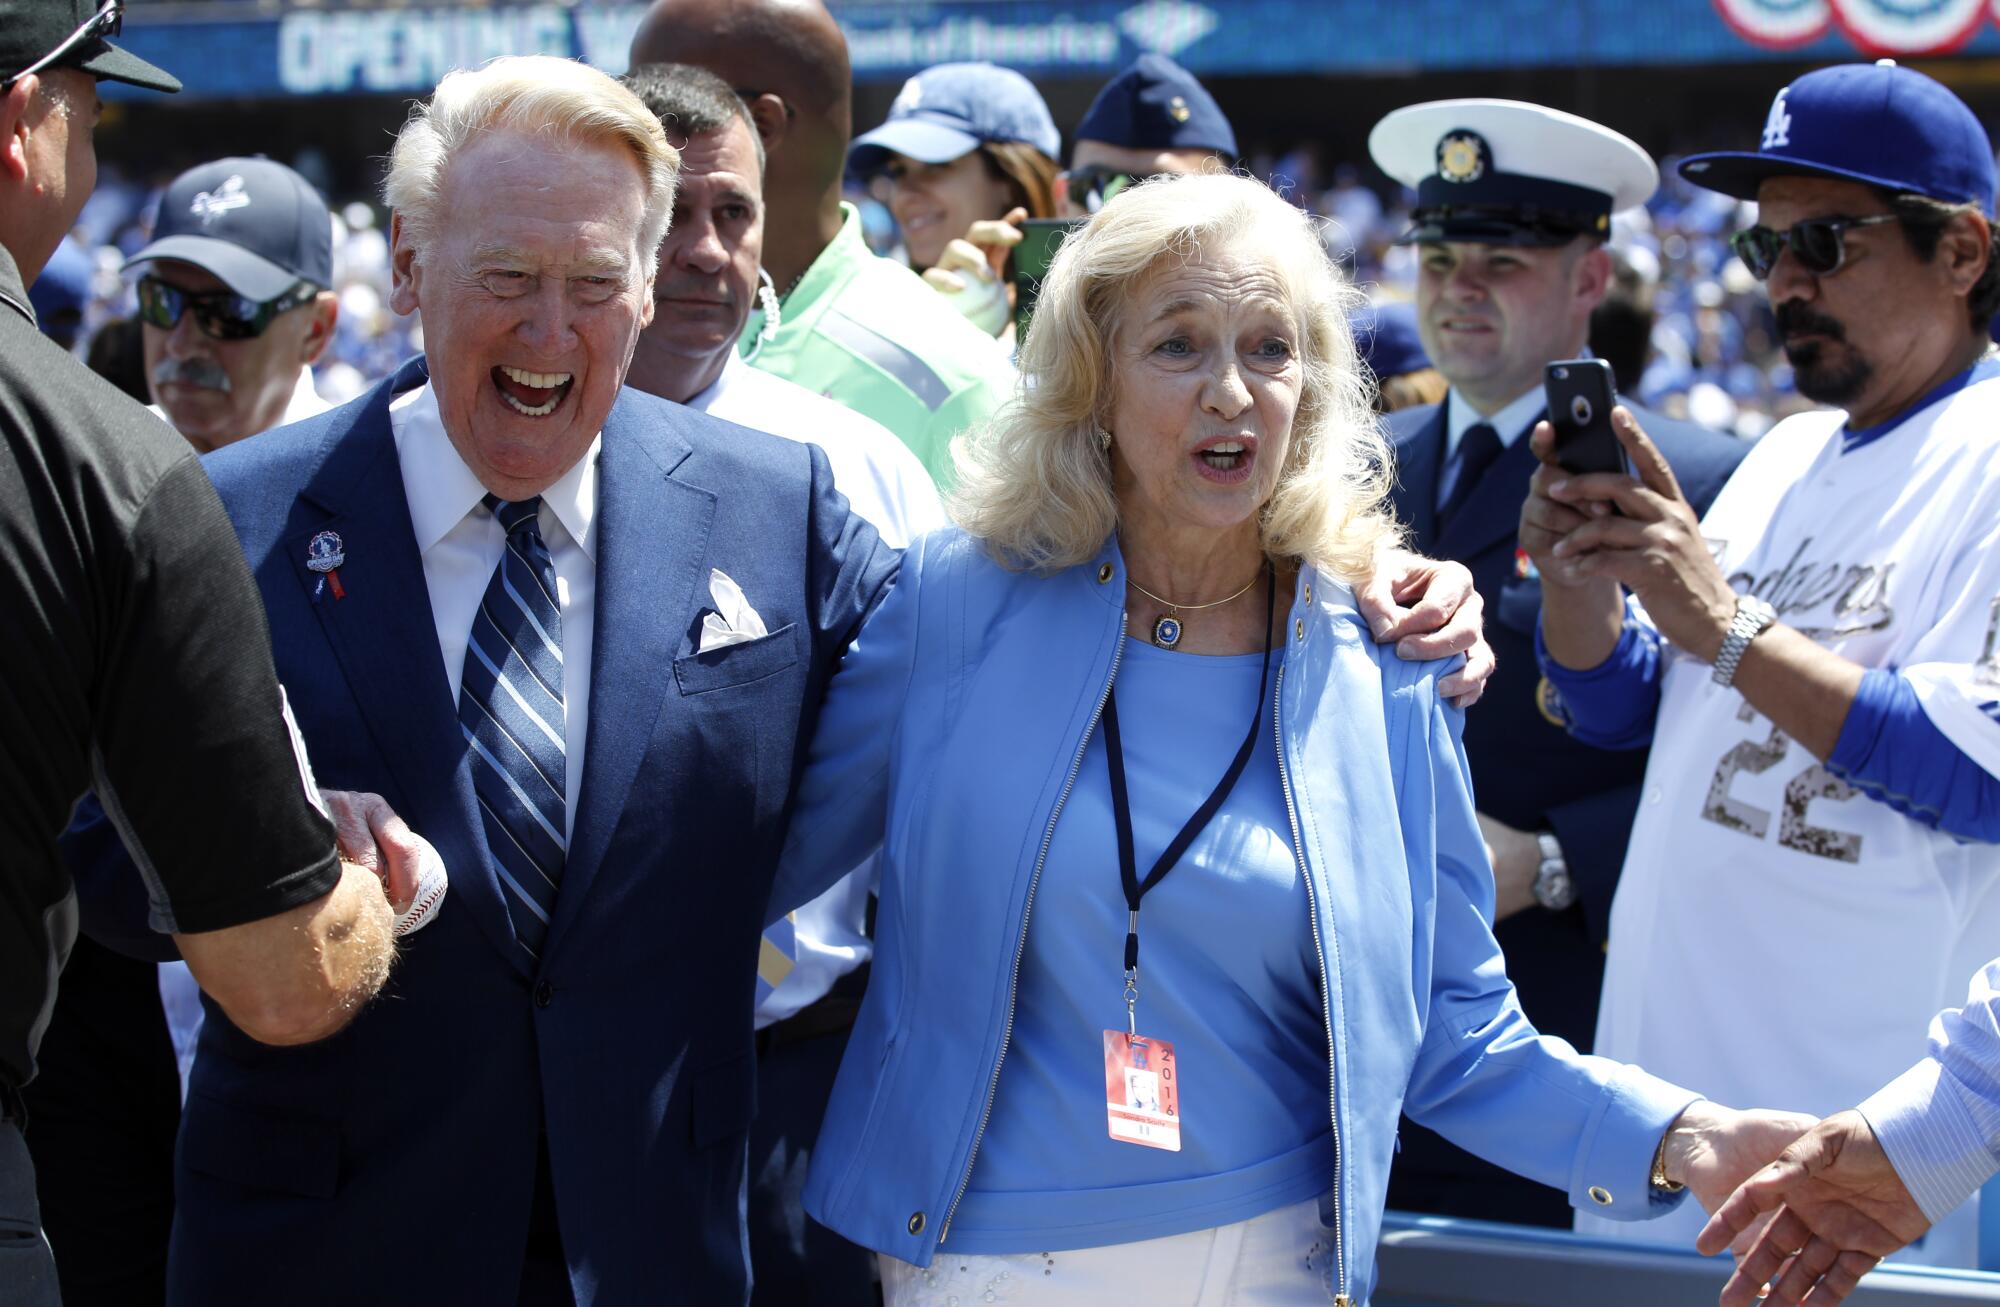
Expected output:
(325, 554)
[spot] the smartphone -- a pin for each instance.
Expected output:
(1040, 239)
(1580, 397)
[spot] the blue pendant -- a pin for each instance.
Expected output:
(1167, 632)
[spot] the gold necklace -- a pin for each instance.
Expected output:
(1167, 628)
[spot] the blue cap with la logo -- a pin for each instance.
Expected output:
(1879, 124)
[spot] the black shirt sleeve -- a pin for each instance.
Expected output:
(195, 756)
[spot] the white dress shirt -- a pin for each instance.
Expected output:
(886, 484)
(461, 543)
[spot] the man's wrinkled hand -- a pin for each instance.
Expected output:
(1430, 609)
(1516, 856)
(372, 836)
(1839, 1209)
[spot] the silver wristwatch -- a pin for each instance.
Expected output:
(1753, 617)
(1554, 889)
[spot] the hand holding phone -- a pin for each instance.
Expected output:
(1040, 238)
(1580, 398)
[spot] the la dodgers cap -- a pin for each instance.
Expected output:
(1155, 104)
(1877, 123)
(254, 223)
(1504, 172)
(31, 29)
(952, 109)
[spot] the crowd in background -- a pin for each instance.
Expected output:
(1713, 358)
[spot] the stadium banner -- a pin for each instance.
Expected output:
(242, 49)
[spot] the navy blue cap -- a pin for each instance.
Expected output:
(953, 109)
(1875, 123)
(1385, 336)
(1156, 104)
(254, 223)
(62, 289)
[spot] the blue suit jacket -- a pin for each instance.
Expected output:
(394, 1161)
(1526, 770)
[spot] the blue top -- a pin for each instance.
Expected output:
(1889, 748)
(1226, 973)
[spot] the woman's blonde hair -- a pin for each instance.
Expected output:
(1035, 483)
(534, 95)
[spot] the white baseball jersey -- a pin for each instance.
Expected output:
(1779, 939)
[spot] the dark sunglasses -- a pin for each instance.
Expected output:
(103, 24)
(1092, 186)
(1817, 243)
(221, 315)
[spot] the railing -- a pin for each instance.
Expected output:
(1430, 1261)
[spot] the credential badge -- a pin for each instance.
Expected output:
(1462, 156)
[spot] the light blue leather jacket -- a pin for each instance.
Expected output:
(953, 733)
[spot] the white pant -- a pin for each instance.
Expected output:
(1280, 1259)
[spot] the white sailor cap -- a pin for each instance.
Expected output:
(1502, 172)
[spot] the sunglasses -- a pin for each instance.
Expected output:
(1819, 244)
(221, 315)
(1094, 185)
(101, 25)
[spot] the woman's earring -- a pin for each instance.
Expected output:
(1103, 438)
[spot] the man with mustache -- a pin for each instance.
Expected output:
(813, 966)
(1816, 661)
(235, 300)
(1514, 203)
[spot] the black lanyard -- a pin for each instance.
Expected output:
(1121, 812)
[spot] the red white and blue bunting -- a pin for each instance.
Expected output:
(1880, 27)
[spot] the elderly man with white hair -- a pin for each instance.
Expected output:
(577, 636)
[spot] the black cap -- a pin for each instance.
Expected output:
(31, 29)
(1503, 172)
(1157, 105)
(254, 223)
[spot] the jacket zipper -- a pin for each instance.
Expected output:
(1326, 992)
(1028, 907)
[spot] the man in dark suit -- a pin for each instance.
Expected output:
(576, 635)
(1513, 206)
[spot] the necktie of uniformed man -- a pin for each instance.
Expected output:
(1477, 449)
(510, 705)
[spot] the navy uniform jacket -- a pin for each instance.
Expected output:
(393, 1162)
(1528, 773)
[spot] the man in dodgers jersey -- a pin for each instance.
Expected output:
(1815, 660)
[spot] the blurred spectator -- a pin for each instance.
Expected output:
(1152, 118)
(852, 326)
(119, 356)
(1385, 336)
(235, 300)
(1621, 326)
(62, 292)
(969, 150)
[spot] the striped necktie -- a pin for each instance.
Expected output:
(510, 706)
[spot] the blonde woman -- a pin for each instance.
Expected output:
(1183, 896)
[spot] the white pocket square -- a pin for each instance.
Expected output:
(734, 620)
